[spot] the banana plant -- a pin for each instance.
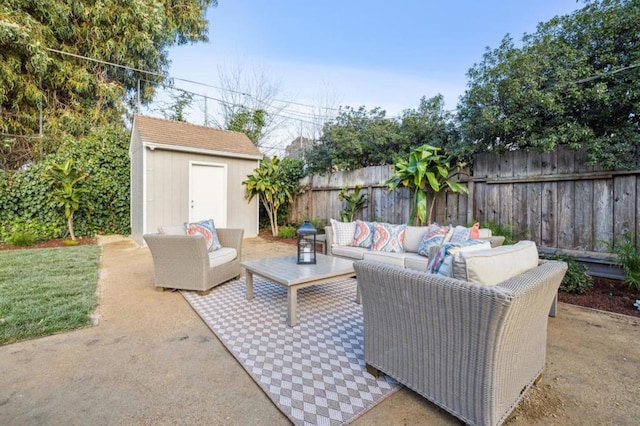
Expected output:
(426, 168)
(354, 202)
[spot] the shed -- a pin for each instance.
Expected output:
(182, 172)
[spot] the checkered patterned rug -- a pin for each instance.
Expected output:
(313, 372)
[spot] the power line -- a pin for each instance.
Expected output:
(75, 55)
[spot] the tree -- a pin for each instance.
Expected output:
(361, 138)
(355, 139)
(575, 81)
(251, 123)
(69, 189)
(250, 102)
(273, 187)
(429, 124)
(73, 93)
(426, 168)
(176, 109)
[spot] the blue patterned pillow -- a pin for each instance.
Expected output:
(389, 238)
(364, 234)
(434, 236)
(441, 262)
(208, 229)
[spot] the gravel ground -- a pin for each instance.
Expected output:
(150, 360)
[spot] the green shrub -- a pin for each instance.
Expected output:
(33, 227)
(629, 260)
(501, 229)
(21, 238)
(104, 155)
(287, 231)
(319, 224)
(576, 280)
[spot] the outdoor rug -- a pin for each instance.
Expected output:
(313, 372)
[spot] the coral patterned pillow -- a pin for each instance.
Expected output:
(434, 236)
(389, 238)
(208, 229)
(363, 236)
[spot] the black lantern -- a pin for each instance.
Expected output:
(306, 243)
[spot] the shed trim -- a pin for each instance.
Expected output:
(153, 146)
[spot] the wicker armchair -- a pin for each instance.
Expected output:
(473, 350)
(183, 262)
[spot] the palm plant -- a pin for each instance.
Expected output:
(68, 187)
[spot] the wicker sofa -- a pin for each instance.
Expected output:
(408, 259)
(182, 261)
(472, 349)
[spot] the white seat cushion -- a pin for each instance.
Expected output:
(222, 255)
(416, 261)
(355, 253)
(396, 259)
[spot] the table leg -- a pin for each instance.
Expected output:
(292, 301)
(249, 283)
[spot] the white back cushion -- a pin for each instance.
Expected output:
(412, 238)
(492, 266)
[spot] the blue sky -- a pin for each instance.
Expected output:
(373, 53)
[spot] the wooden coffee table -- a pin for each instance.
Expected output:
(286, 272)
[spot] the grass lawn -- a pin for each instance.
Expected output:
(46, 291)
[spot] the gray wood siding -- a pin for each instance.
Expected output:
(136, 190)
(167, 179)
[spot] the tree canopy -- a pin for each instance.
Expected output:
(75, 93)
(359, 138)
(575, 81)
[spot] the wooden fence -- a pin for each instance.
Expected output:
(552, 198)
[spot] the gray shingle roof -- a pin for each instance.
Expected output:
(184, 135)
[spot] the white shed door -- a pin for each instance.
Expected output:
(208, 193)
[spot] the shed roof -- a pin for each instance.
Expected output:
(168, 133)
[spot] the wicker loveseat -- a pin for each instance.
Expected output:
(472, 349)
(182, 261)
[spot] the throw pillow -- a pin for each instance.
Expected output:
(388, 237)
(363, 236)
(441, 263)
(343, 232)
(208, 229)
(462, 233)
(433, 237)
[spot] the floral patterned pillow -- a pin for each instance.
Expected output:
(208, 229)
(363, 236)
(389, 238)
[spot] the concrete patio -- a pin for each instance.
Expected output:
(152, 361)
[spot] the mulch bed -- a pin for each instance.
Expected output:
(59, 242)
(606, 295)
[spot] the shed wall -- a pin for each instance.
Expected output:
(167, 190)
